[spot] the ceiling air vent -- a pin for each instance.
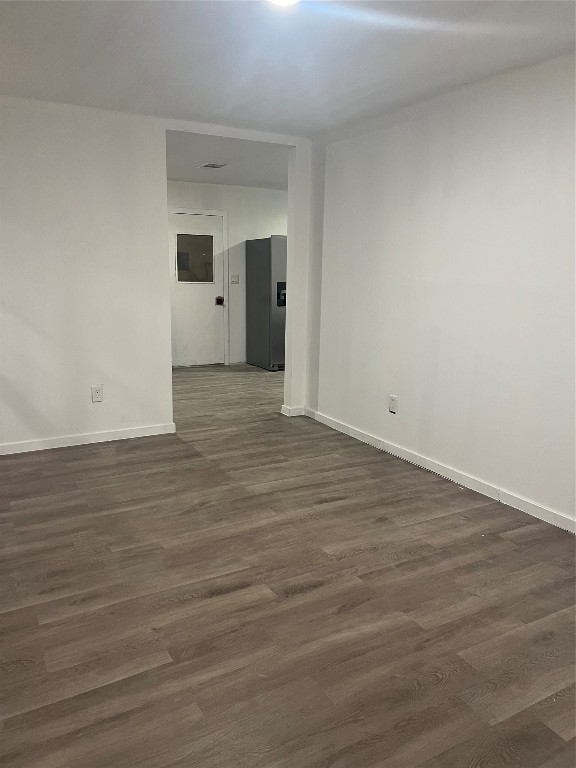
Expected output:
(212, 165)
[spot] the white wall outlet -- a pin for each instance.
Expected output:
(393, 403)
(97, 393)
(234, 279)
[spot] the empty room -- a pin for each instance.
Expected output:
(287, 384)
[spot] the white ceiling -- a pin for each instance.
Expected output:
(246, 63)
(250, 163)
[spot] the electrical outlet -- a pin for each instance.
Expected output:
(393, 403)
(97, 393)
(234, 279)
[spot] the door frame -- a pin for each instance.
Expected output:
(225, 265)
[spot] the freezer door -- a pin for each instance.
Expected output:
(277, 300)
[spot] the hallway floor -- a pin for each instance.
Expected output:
(263, 592)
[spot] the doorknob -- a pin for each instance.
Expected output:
(219, 301)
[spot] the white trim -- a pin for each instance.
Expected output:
(225, 266)
(554, 517)
(298, 411)
(89, 437)
(559, 519)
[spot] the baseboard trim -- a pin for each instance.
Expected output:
(297, 411)
(558, 519)
(547, 515)
(83, 439)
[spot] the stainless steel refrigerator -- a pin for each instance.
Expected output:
(266, 302)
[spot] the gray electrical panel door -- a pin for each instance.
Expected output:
(266, 302)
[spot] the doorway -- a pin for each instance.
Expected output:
(197, 285)
(247, 180)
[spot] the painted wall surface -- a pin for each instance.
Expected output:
(251, 213)
(318, 168)
(84, 282)
(448, 280)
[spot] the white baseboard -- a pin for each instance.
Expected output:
(559, 519)
(468, 481)
(298, 411)
(83, 439)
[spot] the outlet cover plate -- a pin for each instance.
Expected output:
(97, 393)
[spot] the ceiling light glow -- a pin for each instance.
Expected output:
(283, 2)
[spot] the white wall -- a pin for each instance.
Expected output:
(84, 283)
(251, 213)
(448, 280)
(301, 243)
(318, 168)
(84, 279)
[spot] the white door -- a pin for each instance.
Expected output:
(197, 279)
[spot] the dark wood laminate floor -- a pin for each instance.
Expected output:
(263, 592)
